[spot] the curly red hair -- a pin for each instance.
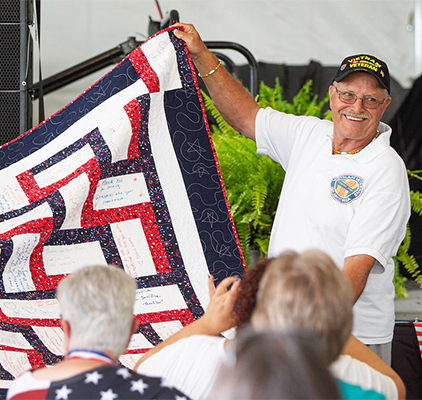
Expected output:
(246, 299)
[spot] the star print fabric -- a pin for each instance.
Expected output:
(126, 174)
(104, 383)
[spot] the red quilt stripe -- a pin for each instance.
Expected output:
(144, 70)
(184, 316)
(53, 322)
(35, 193)
(133, 110)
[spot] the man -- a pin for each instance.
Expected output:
(97, 319)
(345, 191)
(296, 292)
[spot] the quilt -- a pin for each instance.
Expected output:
(126, 175)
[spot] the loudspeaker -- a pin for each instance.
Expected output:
(16, 78)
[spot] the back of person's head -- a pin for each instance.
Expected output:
(274, 365)
(246, 298)
(306, 291)
(97, 302)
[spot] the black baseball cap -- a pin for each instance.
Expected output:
(365, 63)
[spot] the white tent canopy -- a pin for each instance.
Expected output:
(292, 32)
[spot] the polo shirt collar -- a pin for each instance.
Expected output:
(378, 146)
(373, 149)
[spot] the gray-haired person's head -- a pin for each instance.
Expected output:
(97, 302)
(306, 291)
(274, 365)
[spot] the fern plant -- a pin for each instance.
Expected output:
(304, 103)
(403, 257)
(253, 182)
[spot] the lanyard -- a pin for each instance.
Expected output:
(90, 355)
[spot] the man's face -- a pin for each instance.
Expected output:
(353, 122)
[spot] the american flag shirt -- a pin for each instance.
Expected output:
(103, 383)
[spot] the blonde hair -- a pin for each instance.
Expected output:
(306, 291)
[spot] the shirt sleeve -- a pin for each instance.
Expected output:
(190, 364)
(356, 372)
(379, 224)
(278, 135)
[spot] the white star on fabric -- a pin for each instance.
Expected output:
(200, 170)
(139, 385)
(166, 383)
(177, 397)
(194, 147)
(63, 393)
(211, 218)
(124, 373)
(224, 251)
(109, 395)
(93, 377)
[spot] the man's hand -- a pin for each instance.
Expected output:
(232, 100)
(204, 60)
(190, 35)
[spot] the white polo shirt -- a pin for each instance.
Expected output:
(344, 205)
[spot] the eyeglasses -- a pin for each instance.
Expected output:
(367, 101)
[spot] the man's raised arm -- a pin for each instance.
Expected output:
(233, 101)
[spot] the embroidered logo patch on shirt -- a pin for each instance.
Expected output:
(346, 188)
